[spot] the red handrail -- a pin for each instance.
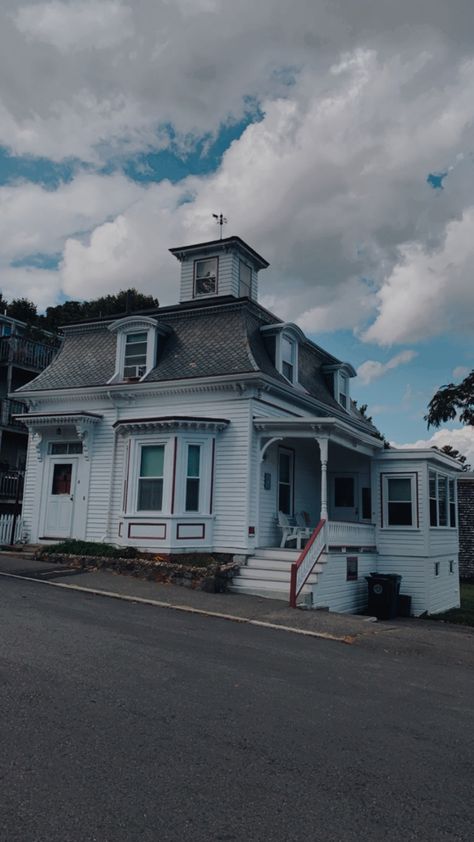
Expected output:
(297, 564)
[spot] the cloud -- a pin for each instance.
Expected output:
(76, 25)
(329, 184)
(372, 369)
(460, 372)
(461, 438)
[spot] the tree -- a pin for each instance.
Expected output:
(451, 401)
(362, 410)
(455, 454)
(120, 303)
(23, 309)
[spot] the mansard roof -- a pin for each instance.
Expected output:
(219, 337)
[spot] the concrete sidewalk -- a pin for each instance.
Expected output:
(400, 636)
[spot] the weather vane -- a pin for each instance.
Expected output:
(221, 221)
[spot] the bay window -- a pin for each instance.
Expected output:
(442, 492)
(193, 478)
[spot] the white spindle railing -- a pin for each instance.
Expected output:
(346, 534)
(12, 524)
(301, 569)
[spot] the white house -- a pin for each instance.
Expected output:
(191, 427)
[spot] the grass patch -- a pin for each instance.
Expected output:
(464, 614)
(90, 548)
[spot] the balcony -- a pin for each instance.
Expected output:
(26, 352)
(8, 409)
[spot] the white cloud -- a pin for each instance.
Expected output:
(461, 438)
(76, 25)
(373, 369)
(330, 185)
(428, 291)
(460, 372)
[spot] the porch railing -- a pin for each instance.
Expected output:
(301, 569)
(11, 485)
(27, 352)
(348, 534)
(9, 408)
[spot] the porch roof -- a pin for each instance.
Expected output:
(333, 429)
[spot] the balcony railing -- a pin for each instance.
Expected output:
(26, 352)
(8, 409)
(11, 485)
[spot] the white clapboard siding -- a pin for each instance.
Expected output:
(100, 482)
(443, 589)
(31, 492)
(443, 541)
(333, 591)
(412, 541)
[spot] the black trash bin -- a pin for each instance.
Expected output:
(384, 589)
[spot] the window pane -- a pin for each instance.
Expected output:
(344, 492)
(452, 514)
(433, 513)
(194, 458)
(245, 278)
(287, 371)
(61, 479)
(284, 498)
(287, 350)
(58, 447)
(150, 495)
(399, 489)
(343, 400)
(366, 504)
(192, 494)
(134, 351)
(442, 501)
(285, 463)
(152, 460)
(399, 514)
(136, 337)
(74, 447)
(452, 496)
(206, 268)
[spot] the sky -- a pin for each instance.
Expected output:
(337, 138)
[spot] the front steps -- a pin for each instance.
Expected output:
(267, 574)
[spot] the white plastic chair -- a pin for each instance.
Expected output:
(290, 532)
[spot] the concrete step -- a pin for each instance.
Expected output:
(277, 552)
(257, 563)
(272, 575)
(266, 590)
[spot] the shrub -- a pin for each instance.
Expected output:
(90, 548)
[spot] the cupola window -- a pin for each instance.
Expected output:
(205, 276)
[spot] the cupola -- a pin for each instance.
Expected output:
(219, 268)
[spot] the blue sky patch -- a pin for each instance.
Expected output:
(435, 180)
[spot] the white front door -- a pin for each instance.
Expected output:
(345, 497)
(60, 498)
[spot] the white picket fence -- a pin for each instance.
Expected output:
(6, 527)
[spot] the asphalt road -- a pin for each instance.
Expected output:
(121, 722)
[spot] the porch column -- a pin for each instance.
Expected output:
(323, 452)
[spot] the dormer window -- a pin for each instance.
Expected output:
(245, 280)
(135, 355)
(339, 375)
(137, 345)
(288, 357)
(343, 391)
(283, 341)
(205, 276)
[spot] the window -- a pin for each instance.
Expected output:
(59, 448)
(285, 482)
(135, 355)
(245, 279)
(62, 475)
(6, 330)
(205, 276)
(344, 492)
(442, 492)
(193, 478)
(343, 391)
(288, 358)
(436, 568)
(366, 503)
(399, 500)
(451, 566)
(150, 480)
(352, 564)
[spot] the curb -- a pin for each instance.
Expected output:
(348, 639)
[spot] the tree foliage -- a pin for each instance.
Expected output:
(362, 410)
(455, 454)
(452, 401)
(120, 303)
